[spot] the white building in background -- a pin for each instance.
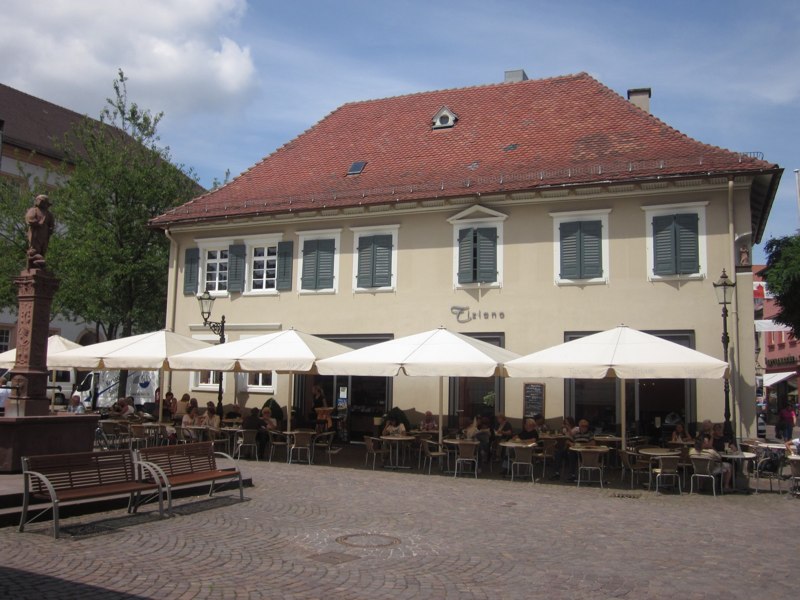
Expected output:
(525, 213)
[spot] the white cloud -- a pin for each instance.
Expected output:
(174, 52)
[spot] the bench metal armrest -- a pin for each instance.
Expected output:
(50, 489)
(230, 458)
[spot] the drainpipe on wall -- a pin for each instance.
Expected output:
(735, 310)
(170, 324)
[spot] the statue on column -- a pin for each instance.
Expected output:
(40, 227)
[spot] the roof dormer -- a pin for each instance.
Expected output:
(444, 118)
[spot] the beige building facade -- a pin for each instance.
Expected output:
(524, 261)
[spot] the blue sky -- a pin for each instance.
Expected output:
(238, 79)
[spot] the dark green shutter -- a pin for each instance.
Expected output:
(382, 261)
(688, 258)
(591, 249)
(664, 245)
(191, 264)
(326, 250)
(570, 258)
(236, 262)
(486, 262)
(283, 279)
(364, 277)
(466, 258)
(308, 278)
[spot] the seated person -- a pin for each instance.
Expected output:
(234, 412)
(210, 418)
(529, 431)
(583, 435)
(503, 429)
(75, 405)
(541, 427)
(190, 419)
(255, 422)
(718, 440)
(470, 429)
(393, 427)
(680, 434)
(703, 446)
(793, 446)
(170, 406)
(568, 427)
(428, 422)
(266, 416)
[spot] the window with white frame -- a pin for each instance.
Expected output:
(676, 241)
(5, 339)
(478, 247)
(205, 380)
(375, 258)
(580, 246)
(319, 261)
(263, 382)
(269, 264)
(215, 269)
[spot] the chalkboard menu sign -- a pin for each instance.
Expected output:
(533, 399)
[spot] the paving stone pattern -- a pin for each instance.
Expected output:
(326, 532)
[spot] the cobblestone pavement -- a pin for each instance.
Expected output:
(322, 532)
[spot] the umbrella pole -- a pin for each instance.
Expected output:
(623, 417)
(441, 410)
(289, 403)
(163, 393)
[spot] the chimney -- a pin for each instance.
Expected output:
(515, 76)
(640, 97)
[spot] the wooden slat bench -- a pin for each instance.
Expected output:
(57, 478)
(184, 464)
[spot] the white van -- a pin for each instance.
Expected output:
(101, 388)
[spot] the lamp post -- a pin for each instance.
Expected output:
(206, 302)
(724, 290)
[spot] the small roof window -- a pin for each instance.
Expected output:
(357, 167)
(443, 119)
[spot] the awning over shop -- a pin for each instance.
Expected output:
(763, 325)
(771, 379)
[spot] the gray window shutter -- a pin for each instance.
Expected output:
(570, 258)
(236, 263)
(326, 250)
(382, 261)
(191, 266)
(466, 256)
(664, 245)
(688, 259)
(591, 249)
(308, 278)
(283, 280)
(487, 254)
(366, 261)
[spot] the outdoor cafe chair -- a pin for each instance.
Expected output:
(547, 452)
(323, 442)
(635, 464)
(431, 451)
(769, 465)
(138, 436)
(704, 469)
(246, 438)
(374, 449)
(591, 461)
(277, 440)
(523, 460)
(794, 476)
(467, 455)
(668, 469)
(301, 446)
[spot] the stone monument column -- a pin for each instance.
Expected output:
(35, 289)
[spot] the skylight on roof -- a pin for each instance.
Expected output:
(357, 167)
(444, 119)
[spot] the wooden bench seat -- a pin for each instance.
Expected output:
(57, 478)
(184, 464)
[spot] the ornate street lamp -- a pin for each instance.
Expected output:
(724, 290)
(206, 301)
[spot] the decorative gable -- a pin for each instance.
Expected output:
(444, 118)
(475, 214)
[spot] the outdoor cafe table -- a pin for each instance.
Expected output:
(737, 457)
(199, 431)
(654, 454)
(395, 443)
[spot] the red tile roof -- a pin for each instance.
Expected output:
(533, 134)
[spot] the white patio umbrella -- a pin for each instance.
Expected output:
(148, 351)
(620, 352)
(289, 351)
(436, 353)
(55, 343)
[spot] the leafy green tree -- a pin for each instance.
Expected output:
(782, 275)
(112, 266)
